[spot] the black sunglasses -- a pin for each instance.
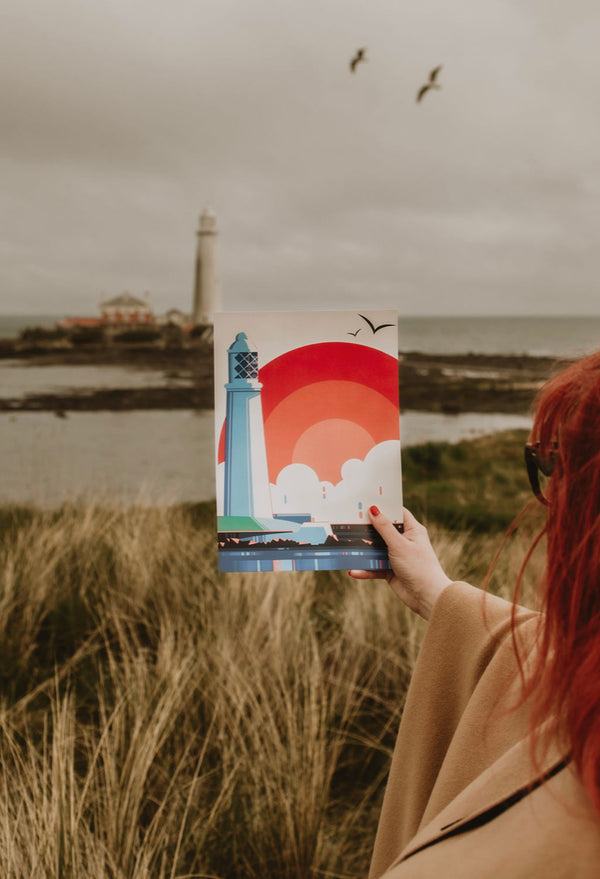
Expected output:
(536, 465)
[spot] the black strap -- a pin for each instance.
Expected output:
(494, 811)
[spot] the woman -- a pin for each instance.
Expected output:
(496, 771)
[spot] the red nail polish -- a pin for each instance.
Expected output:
(374, 511)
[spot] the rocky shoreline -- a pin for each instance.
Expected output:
(447, 383)
(454, 383)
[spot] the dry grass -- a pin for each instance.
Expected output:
(160, 720)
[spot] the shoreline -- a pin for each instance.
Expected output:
(445, 383)
(455, 383)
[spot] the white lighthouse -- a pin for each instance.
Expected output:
(207, 285)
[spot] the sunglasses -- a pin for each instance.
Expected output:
(536, 464)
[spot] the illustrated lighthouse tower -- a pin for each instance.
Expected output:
(207, 285)
(247, 491)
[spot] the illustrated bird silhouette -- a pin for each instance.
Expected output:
(355, 334)
(431, 84)
(372, 325)
(360, 56)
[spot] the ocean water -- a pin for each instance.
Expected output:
(539, 336)
(168, 456)
(154, 457)
(12, 324)
(140, 456)
(19, 378)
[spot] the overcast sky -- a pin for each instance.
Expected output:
(122, 119)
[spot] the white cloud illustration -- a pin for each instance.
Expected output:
(376, 480)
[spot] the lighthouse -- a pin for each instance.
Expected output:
(247, 491)
(207, 284)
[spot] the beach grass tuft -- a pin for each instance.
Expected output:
(160, 719)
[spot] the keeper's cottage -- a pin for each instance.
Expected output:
(126, 309)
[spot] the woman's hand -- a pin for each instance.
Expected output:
(416, 577)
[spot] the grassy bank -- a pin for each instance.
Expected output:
(475, 485)
(159, 719)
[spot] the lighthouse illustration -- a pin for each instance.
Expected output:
(302, 443)
(247, 491)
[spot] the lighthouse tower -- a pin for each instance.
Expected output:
(247, 491)
(207, 285)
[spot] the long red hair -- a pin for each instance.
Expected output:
(566, 679)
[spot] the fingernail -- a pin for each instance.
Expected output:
(374, 511)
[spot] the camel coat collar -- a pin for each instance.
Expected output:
(499, 787)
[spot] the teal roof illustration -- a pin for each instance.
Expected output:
(241, 343)
(254, 525)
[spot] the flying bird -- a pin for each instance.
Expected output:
(373, 327)
(355, 334)
(360, 56)
(431, 84)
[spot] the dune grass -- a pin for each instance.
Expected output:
(158, 719)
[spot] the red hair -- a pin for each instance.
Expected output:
(566, 679)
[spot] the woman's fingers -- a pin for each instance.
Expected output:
(384, 526)
(416, 575)
(369, 575)
(410, 523)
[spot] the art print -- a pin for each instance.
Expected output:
(307, 438)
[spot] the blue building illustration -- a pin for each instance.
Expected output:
(247, 491)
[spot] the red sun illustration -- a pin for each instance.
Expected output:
(324, 404)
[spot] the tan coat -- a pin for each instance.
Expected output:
(459, 801)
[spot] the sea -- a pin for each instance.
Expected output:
(554, 336)
(166, 457)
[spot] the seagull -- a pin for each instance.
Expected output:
(432, 84)
(373, 327)
(360, 56)
(355, 334)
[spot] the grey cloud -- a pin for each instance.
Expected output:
(122, 120)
